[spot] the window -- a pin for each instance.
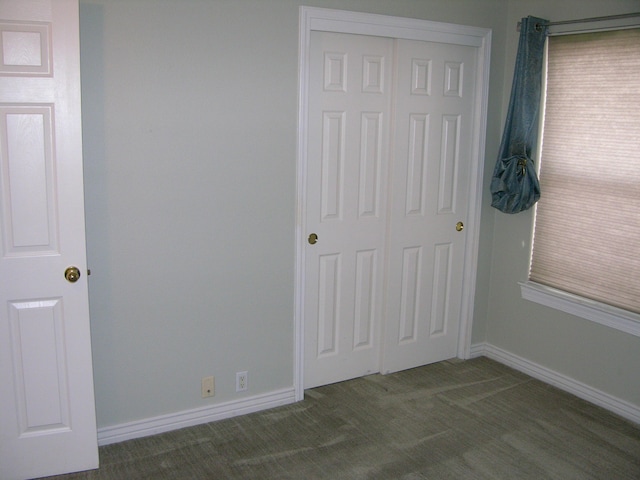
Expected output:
(586, 248)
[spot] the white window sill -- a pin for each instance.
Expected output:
(613, 317)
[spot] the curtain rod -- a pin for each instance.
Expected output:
(584, 20)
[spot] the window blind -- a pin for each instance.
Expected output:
(587, 227)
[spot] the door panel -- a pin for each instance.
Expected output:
(29, 218)
(346, 204)
(47, 414)
(432, 160)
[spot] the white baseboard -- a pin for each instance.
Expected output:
(613, 404)
(189, 418)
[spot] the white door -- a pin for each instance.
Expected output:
(47, 410)
(349, 105)
(430, 199)
(389, 156)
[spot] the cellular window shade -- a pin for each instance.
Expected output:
(587, 227)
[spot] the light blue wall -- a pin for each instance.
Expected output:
(598, 356)
(189, 118)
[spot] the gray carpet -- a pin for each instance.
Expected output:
(475, 419)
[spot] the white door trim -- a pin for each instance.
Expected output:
(340, 21)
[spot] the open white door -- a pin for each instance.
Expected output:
(47, 409)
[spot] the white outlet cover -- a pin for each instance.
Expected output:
(242, 381)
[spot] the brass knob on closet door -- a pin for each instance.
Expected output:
(459, 226)
(72, 274)
(313, 238)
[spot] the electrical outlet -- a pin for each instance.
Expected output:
(242, 381)
(208, 385)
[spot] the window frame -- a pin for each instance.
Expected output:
(598, 312)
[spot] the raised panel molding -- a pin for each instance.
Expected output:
(453, 75)
(441, 290)
(372, 74)
(409, 297)
(421, 77)
(449, 163)
(370, 164)
(39, 365)
(335, 72)
(328, 304)
(27, 170)
(333, 154)
(416, 165)
(365, 298)
(26, 49)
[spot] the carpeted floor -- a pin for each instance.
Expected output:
(474, 419)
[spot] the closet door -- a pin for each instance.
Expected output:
(388, 172)
(434, 102)
(346, 215)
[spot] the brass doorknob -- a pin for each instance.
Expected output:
(313, 238)
(459, 226)
(72, 274)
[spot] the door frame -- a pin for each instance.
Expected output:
(341, 21)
